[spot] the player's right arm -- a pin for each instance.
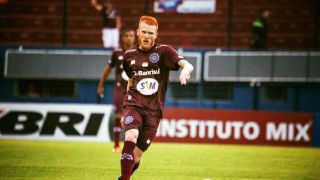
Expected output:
(105, 75)
(96, 5)
(106, 72)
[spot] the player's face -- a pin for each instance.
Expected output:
(128, 38)
(147, 34)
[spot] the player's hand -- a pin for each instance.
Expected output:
(100, 91)
(184, 76)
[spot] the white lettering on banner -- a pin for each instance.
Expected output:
(287, 132)
(182, 131)
(193, 128)
(255, 131)
(74, 122)
(250, 130)
(303, 132)
(210, 129)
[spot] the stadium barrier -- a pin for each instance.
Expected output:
(73, 64)
(234, 66)
(76, 122)
(70, 122)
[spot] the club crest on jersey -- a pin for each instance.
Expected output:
(154, 57)
(128, 120)
(120, 58)
(148, 86)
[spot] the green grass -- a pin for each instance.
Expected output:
(77, 160)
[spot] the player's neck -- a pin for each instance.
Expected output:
(143, 49)
(126, 47)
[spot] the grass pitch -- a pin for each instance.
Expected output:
(77, 160)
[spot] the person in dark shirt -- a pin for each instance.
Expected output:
(260, 31)
(120, 88)
(111, 23)
(148, 67)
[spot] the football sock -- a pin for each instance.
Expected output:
(117, 132)
(127, 160)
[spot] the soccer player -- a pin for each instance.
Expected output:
(111, 23)
(120, 88)
(148, 67)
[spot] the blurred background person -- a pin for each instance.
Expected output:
(127, 42)
(111, 23)
(260, 31)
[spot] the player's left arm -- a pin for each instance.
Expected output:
(187, 69)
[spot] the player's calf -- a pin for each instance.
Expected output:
(127, 157)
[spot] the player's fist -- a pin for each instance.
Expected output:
(184, 76)
(100, 91)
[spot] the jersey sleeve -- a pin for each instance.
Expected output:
(172, 59)
(126, 66)
(112, 60)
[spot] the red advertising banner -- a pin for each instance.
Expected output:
(235, 127)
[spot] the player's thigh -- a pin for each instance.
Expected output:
(149, 129)
(132, 118)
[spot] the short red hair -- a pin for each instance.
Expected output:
(149, 20)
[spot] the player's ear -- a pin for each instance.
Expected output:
(138, 32)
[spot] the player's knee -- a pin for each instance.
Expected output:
(132, 135)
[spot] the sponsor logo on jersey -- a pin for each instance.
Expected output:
(148, 86)
(128, 120)
(147, 73)
(154, 57)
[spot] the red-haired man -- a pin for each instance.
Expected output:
(148, 67)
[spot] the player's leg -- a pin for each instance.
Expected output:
(117, 101)
(117, 132)
(137, 156)
(132, 122)
(107, 38)
(115, 39)
(127, 157)
(146, 135)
